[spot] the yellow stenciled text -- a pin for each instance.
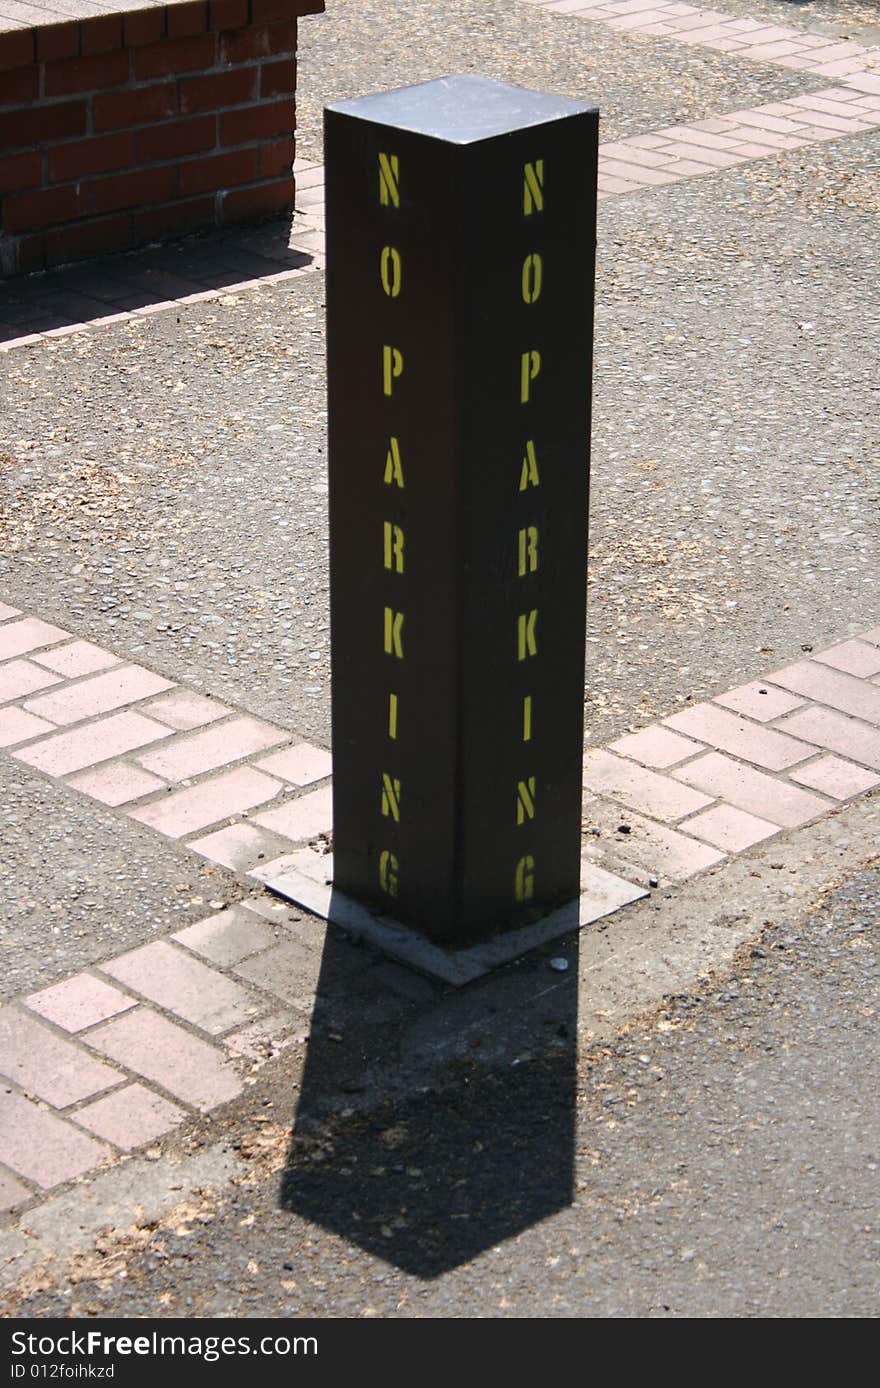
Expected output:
(389, 180)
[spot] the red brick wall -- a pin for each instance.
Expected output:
(127, 128)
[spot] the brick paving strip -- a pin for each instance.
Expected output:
(640, 161)
(111, 1059)
(746, 38)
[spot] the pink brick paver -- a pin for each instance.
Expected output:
(302, 765)
(116, 784)
(660, 851)
(656, 747)
(703, 139)
(872, 636)
(214, 747)
(639, 14)
(46, 1065)
(865, 82)
(707, 723)
(41, 1147)
(79, 1002)
(240, 847)
(729, 828)
(184, 710)
(12, 1192)
(131, 1117)
(819, 120)
(100, 694)
(839, 779)
(289, 971)
(95, 742)
(302, 818)
(229, 936)
(686, 151)
(79, 658)
(781, 48)
(7, 612)
(635, 173)
(193, 1070)
(826, 686)
(183, 985)
(759, 701)
(611, 776)
(758, 137)
(752, 791)
(852, 657)
(607, 184)
(16, 726)
(634, 154)
(837, 102)
(760, 42)
(219, 797)
(21, 677)
(685, 166)
(838, 733)
(17, 638)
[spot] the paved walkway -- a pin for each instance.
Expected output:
(157, 280)
(126, 1051)
(661, 805)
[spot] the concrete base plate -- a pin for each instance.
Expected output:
(306, 878)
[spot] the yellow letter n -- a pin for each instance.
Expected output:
(389, 175)
(533, 187)
(391, 797)
(525, 800)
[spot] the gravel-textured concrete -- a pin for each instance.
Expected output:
(717, 1159)
(166, 479)
(638, 82)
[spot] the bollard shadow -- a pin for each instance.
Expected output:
(153, 277)
(433, 1123)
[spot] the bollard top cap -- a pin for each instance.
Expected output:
(462, 108)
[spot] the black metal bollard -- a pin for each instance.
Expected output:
(460, 269)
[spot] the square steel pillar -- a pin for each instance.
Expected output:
(461, 228)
